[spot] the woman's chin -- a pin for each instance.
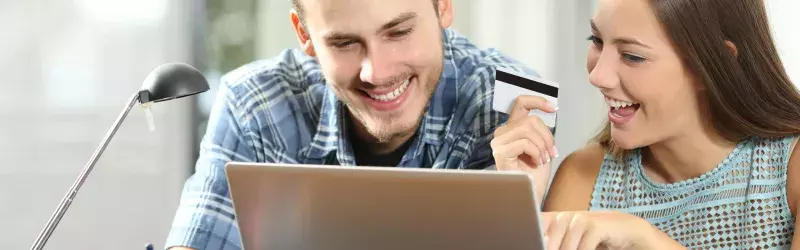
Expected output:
(626, 142)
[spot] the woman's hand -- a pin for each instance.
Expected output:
(525, 143)
(602, 230)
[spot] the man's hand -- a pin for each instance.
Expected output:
(525, 143)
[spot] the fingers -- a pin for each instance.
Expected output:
(529, 133)
(575, 230)
(542, 130)
(540, 143)
(531, 128)
(556, 231)
(570, 230)
(509, 152)
(525, 103)
(591, 240)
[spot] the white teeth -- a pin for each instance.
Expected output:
(391, 95)
(617, 104)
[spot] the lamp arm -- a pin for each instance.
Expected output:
(67, 200)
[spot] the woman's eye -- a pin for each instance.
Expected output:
(596, 40)
(633, 58)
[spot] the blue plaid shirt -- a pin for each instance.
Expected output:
(281, 111)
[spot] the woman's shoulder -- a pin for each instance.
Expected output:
(793, 175)
(573, 183)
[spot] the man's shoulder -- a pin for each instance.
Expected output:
(476, 70)
(277, 92)
(277, 99)
(291, 71)
(473, 58)
(468, 92)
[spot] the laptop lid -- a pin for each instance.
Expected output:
(299, 207)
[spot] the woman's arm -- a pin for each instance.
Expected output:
(793, 191)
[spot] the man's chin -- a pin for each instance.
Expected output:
(385, 132)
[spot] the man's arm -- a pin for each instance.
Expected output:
(205, 216)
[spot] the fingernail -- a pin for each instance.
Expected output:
(555, 151)
(548, 158)
(555, 109)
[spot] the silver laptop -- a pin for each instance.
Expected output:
(302, 207)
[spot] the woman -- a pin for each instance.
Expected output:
(699, 148)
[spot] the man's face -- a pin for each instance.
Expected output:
(382, 58)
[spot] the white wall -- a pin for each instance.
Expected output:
(548, 35)
(68, 68)
(785, 22)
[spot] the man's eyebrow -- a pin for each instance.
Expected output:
(340, 36)
(391, 24)
(397, 21)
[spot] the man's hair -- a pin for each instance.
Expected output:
(298, 7)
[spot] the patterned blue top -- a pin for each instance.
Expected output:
(741, 204)
(281, 111)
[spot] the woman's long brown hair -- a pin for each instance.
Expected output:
(747, 93)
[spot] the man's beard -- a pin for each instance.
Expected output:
(382, 133)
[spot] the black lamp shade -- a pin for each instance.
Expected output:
(171, 81)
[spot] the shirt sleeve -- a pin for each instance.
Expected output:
(481, 128)
(205, 216)
(486, 119)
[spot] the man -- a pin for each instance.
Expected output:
(375, 83)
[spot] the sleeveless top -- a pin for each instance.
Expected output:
(740, 204)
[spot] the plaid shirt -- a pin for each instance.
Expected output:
(281, 111)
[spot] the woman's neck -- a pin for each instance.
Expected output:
(686, 156)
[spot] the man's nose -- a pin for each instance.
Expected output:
(378, 67)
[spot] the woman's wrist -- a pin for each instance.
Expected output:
(656, 239)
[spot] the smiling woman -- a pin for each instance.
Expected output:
(699, 150)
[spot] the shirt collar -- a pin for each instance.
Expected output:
(332, 133)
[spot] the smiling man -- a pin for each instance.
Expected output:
(374, 83)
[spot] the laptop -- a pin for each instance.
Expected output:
(305, 207)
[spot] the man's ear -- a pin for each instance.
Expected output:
(732, 48)
(445, 13)
(302, 34)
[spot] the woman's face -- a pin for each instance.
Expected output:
(651, 95)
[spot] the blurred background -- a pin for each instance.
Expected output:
(68, 67)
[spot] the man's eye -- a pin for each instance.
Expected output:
(399, 33)
(342, 44)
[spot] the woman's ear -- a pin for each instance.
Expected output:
(732, 47)
(302, 34)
